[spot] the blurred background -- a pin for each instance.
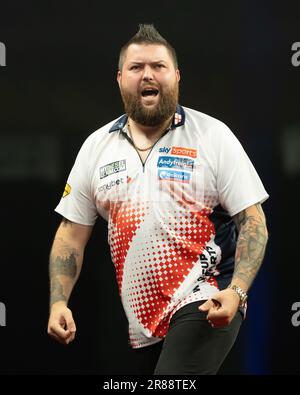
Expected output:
(59, 85)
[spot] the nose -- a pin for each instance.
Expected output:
(147, 76)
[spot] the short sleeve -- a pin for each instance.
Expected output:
(77, 203)
(238, 183)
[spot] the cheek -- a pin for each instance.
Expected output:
(166, 81)
(165, 88)
(130, 84)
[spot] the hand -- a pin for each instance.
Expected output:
(61, 325)
(221, 308)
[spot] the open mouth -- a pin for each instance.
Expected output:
(150, 92)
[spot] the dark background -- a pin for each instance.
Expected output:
(59, 85)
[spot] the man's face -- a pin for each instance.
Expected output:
(148, 83)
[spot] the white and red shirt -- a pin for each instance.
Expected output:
(171, 235)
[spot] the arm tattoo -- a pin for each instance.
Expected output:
(57, 292)
(65, 266)
(61, 265)
(251, 244)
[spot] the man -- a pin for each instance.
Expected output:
(175, 186)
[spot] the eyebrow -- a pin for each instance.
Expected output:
(141, 62)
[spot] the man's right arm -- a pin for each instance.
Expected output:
(65, 265)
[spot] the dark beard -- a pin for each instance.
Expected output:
(164, 110)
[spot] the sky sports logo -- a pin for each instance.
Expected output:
(181, 151)
(175, 162)
(172, 175)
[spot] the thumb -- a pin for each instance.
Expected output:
(70, 322)
(205, 306)
(71, 326)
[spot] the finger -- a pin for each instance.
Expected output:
(58, 339)
(59, 331)
(219, 321)
(217, 324)
(69, 338)
(217, 314)
(206, 306)
(70, 324)
(216, 303)
(210, 323)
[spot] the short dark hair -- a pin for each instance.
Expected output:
(147, 34)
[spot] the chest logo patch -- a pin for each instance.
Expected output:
(192, 153)
(175, 162)
(172, 175)
(112, 168)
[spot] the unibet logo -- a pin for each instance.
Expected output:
(111, 184)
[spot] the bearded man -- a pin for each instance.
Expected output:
(186, 229)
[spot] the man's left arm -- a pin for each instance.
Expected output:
(250, 250)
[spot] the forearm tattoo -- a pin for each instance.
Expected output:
(251, 244)
(62, 263)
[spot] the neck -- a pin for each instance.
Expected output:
(149, 131)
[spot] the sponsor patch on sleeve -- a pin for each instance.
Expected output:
(67, 190)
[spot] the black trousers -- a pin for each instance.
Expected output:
(191, 346)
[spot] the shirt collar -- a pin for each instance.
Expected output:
(178, 120)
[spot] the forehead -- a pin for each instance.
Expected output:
(147, 53)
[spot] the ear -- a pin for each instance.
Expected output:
(178, 75)
(119, 76)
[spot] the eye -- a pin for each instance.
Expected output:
(135, 67)
(159, 66)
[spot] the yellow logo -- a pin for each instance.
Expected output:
(67, 190)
